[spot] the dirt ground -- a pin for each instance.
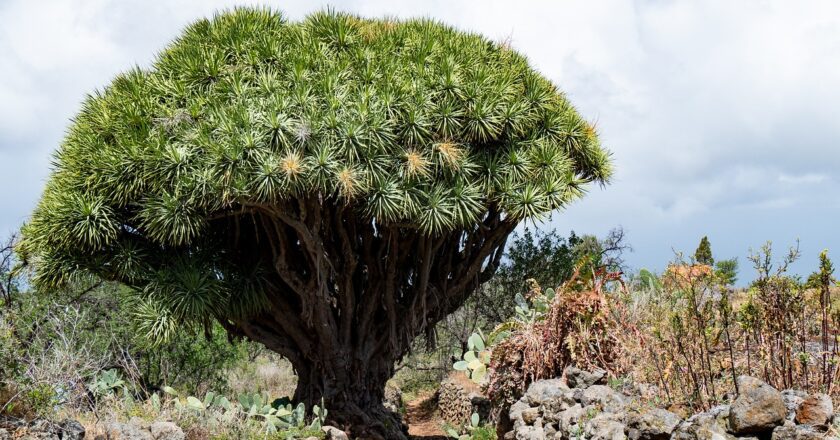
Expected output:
(423, 422)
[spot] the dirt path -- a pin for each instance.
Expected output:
(423, 423)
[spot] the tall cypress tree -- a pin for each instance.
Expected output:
(703, 254)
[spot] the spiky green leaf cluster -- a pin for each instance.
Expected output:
(405, 121)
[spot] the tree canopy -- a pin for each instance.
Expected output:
(408, 122)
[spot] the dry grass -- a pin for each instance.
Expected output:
(268, 372)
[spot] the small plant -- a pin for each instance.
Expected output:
(475, 359)
(472, 431)
(279, 417)
(533, 308)
(107, 383)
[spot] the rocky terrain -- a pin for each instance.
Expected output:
(135, 429)
(582, 406)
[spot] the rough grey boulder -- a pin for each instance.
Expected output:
(758, 408)
(578, 378)
(166, 431)
(333, 433)
(816, 410)
(793, 432)
(530, 433)
(709, 425)
(515, 411)
(605, 427)
(71, 430)
(604, 397)
(546, 390)
(127, 431)
(530, 415)
(655, 424)
(792, 399)
(570, 417)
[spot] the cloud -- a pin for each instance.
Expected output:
(721, 115)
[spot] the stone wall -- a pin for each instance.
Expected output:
(582, 406)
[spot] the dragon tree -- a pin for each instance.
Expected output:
(330, 188)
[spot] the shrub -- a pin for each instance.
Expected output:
(577, 328)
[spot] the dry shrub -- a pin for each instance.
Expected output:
(578, 329)
(699, 334)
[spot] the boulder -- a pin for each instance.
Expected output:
(570, 417)
(41, 430)
(392, 401)
(758, 408)
(333, 433)
(166, 431)
(127, 431)
(816, 410)
(792, 399)
(577, 378)
(655, 424)
(709, 425)
(551, 408)
(605, 427)
(530, 415)
(515, 411)
(546, 390)
(72, 430)
(603, 396)
(793, 432)
(530, 433)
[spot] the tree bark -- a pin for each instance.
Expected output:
(345, 296)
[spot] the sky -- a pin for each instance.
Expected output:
(721, 116)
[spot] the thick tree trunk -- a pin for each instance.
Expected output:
(344, 297)
(349, 382)
(354, 395)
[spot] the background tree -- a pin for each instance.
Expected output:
(703, 254)
(330, 188)
(727, 271)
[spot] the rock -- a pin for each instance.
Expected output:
(656, 424)
(542, 391)
(530, 433)
(758, 408)
(72, 430)
(333, 433)
(392, 400)
(792, 399)
(530, 415)
(552, 408)
(709, 425)
(572, 416)
(816, 410)
(604, 397)
(747, 383)
(39, 430)
(127, 431)
(605, 427)
(801, 432)
(166, 431)
(577, 378)
(515, 411)
(140, 423)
